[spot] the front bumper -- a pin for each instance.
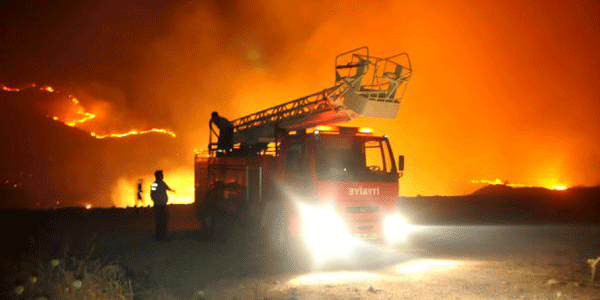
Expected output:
(329, 235)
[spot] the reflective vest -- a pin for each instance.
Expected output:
(158, 193)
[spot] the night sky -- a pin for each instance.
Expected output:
(501, 89)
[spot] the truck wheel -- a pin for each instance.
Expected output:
(208, 222)
(214, 225)
(216, 228)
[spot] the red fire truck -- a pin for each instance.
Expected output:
(295, 173)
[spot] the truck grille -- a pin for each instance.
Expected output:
(362, 209)
(366, 236)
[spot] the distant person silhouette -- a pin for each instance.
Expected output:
(139, 201)
(225, 143)
(158, 193)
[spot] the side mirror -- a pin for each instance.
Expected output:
(401, 163)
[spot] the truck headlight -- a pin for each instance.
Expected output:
(325, 232)
(395, 228)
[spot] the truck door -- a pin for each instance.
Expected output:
(297, 182)
(297, 175)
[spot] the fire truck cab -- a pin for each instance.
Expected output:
(295, 173)
(342, 187)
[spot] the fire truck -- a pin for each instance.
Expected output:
(293, 172)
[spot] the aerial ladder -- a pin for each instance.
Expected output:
(364, 86)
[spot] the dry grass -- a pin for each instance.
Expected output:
(69, 277)
(593, 266)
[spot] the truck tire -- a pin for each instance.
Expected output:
(208, 215)
(220, 229)
(224, 211)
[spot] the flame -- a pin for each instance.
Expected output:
(47, 88)
(86, 117)
(83, 116)
(79, 110)
(124, 193)
(550, 186)
(134, 132)
(201, 152)
(9, 89)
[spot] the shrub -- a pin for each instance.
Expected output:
(70, 278)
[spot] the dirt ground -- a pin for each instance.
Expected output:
(436, 262)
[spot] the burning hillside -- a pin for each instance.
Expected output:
(54, 159)
(75, 114)
(498, 182)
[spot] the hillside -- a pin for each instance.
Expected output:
(45, 163)
(499, 204)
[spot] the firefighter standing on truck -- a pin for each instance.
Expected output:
(225, 143)
(158, 193)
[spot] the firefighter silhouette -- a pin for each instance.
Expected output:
(139, 201)
(158, 193)
(225, 143)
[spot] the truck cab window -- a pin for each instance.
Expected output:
(387, 157)
(346, 157)
(374, 156)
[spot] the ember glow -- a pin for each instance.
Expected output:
(47, 88)
(6, 88)
(550, 186)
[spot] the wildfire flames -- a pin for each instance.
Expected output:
(124, 193)
(84, 115)
(557, 187)
(81, 116)
(6, 88)
(134, 132)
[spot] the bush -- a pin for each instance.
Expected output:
(69, 278)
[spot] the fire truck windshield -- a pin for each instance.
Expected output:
(356, 158)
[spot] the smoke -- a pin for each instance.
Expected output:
(233, 57)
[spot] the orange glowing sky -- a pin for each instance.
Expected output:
(503, 90)
(500, 90)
